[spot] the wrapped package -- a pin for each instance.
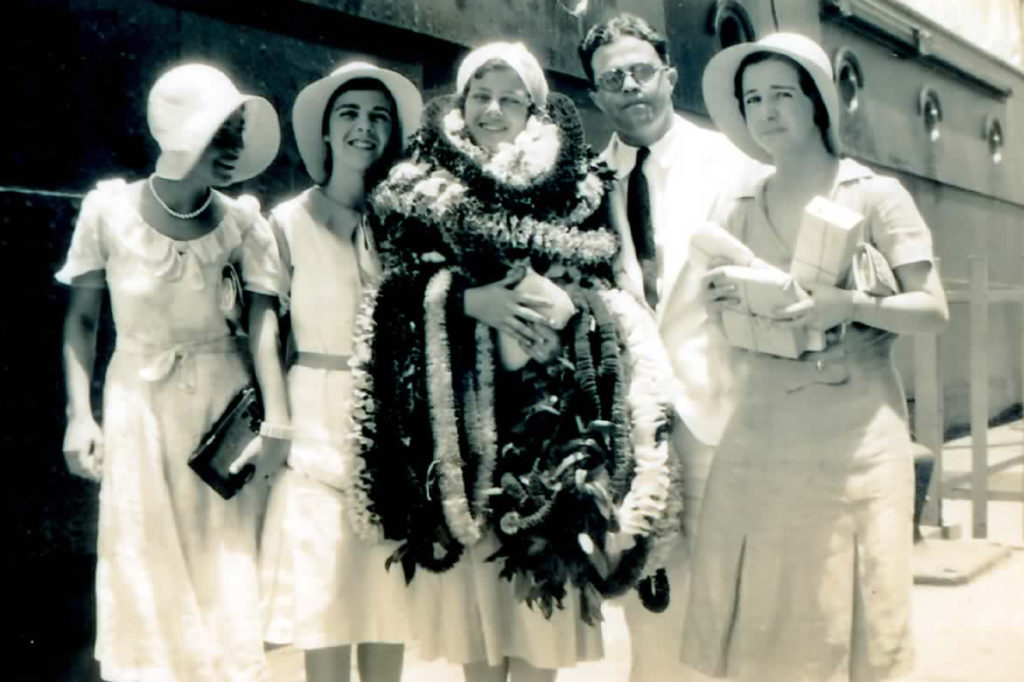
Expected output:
(761, 291)
(560, 310)
(825, 243)
(764, 335)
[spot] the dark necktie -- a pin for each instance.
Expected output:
(638, 211)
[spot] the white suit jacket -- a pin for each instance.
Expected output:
(687, 168)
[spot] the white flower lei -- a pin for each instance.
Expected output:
(356, 490)
(415, 190)
(518, 163)
(653, 506)
(465, 527)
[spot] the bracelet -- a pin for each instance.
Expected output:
(275, 431)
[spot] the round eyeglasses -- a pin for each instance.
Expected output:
(613, 79)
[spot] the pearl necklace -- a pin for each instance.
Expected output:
(180, 216)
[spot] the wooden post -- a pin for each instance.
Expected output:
(979, 362)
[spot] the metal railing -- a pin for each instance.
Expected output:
(979, 297)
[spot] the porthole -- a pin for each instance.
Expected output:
(992, 133)
(731, 24)
(849, 78)
(929, 108)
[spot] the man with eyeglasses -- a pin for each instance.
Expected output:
(669, 171)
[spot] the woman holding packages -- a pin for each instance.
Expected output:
(510, 403)
(177, 587)
(324, 589)
(802, 563)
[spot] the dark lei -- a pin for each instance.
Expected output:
(564, 460)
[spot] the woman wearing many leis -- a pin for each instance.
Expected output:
(802, 564)
(510, 403)
(325, 590)
(176, 577)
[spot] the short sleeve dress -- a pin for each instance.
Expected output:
(321, 585)
(177, 585)
(802, 564)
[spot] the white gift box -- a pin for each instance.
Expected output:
(764, 335)
(825, 243)
(559, 311)
(761, 291)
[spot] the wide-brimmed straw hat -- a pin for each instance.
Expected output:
(518, 58)
(308, 110)
(186, 107)
(720, 96)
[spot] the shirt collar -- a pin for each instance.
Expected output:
(621, 156)
(849, 171)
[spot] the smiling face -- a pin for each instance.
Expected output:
(216, 165)
(779, 115)
(497, 106)
(359, 125)
(640, 112)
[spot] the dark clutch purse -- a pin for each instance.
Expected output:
(236, 427)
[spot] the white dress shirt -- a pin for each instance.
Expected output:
(685, 171)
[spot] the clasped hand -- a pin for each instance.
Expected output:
(519, 314)
(825, 306)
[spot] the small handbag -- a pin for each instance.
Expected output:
(871, 273)
(225, 441)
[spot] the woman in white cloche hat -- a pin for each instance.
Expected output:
(177, 585)
(802, 563)
(324, 589)
(511, 403)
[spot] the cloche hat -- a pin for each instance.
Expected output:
(308, 110)
(518, 58)
(186, 107)
(720, 97)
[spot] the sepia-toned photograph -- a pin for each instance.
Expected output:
(514, 340)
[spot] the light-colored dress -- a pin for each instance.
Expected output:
(321, 585)
(177, 585)
(473, 615)
(802, 565)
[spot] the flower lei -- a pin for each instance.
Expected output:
(433, 478)
(436, 197)
(362, 432)
(518, 163)
(467, 528)
(654, 501)
(565, 487)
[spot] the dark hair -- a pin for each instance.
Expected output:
(392, 151)
(618, 27)
(807, 86)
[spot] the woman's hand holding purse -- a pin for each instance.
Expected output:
(268, 453)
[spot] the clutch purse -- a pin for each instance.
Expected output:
(871, 273)
(559, 310)
(236, 427)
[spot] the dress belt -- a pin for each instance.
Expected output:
(161, 360)
(323, 360)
